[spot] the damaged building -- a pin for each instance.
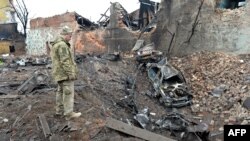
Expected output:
(11, 40)
(174, 70)
(119, 32)
(163, 24)
(44, 30)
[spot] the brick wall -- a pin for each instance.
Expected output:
(55, 21)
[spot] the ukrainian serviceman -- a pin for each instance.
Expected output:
(64, 71)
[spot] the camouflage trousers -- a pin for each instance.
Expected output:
(65, 97)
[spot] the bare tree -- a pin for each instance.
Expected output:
(22, 13)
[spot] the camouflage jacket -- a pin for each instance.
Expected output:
(63, 65)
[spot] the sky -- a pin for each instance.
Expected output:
(90, 9)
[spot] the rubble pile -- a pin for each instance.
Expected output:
(219, 83)
(227, 14)
(115, 87)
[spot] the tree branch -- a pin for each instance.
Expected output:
(21, 12)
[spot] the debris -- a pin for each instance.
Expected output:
(153, 114)
(195, 108)
(85, 23)
(148, 54)
(221, 129)
(169, 84)
(246, 103)
(176, 123)
(148, 8)
(134, 131)
(103, 22)
(212, 123)
(2, 92)
(45, 126)
(69, 127)
(21, 62)
(244, 122)
(218, 91)
(18, 119)
(112, 56)
(40, 61)
(142, 117)
(139, 44)
(9, 96)
(173, 122)
(32, 82)
(202, 127)
(129, 103)
(5, 120)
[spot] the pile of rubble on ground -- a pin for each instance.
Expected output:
(158, 94)
(219, 82)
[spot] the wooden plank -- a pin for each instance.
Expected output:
(135, 131)
(9, 96)
(45, 125)
(27, 86)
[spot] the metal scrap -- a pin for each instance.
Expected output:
(143, 117)
(173, 122)
(183, 128)
(169, 84)
(32, 82)
(112, 56)
(148, 54)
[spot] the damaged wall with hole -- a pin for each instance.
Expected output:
(216, 29)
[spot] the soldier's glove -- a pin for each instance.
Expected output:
(72, 77)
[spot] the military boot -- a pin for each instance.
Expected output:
(73, 115)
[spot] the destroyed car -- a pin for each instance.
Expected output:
(169, 84)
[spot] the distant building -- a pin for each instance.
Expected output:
(7, 14)
(9, 36)
(44, 30)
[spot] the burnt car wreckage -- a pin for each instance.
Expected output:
(172, 91)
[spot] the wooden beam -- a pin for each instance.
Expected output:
(9, 96)
(45, 126)
(135, 131)
(105, 15)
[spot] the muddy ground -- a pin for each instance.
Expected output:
(102, 87)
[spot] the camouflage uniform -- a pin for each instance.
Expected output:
(64, 71)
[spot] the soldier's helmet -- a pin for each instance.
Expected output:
(66, 30)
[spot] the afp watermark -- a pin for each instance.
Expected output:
(237, 132)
